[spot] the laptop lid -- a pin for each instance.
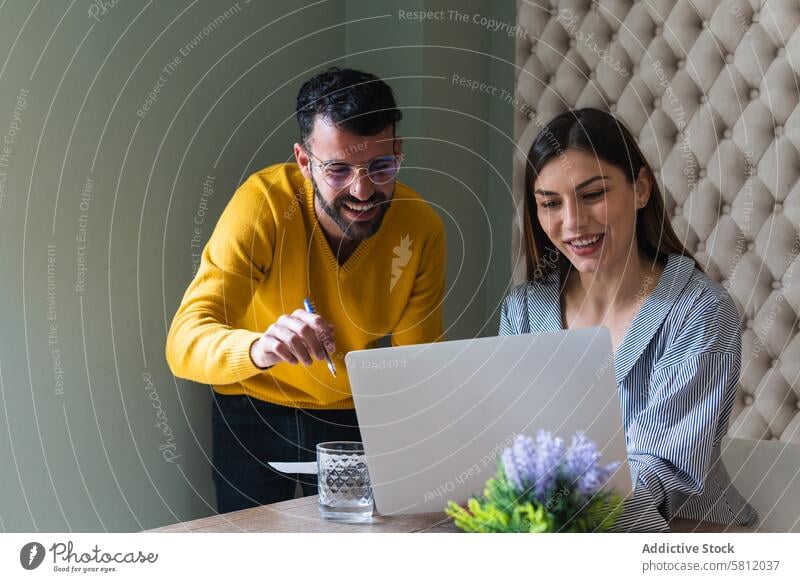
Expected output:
(435, 418)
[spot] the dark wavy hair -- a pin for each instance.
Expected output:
(602, 135)
(354, 100)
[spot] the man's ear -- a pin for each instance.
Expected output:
(398, 145)
(303, 160)
(643, 187)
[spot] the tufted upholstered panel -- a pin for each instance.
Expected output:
(710, 88)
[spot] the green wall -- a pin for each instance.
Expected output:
(99, 201)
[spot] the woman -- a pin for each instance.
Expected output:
(601, 252)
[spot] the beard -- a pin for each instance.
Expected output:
(353, 230)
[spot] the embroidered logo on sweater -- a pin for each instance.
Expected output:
(402, 254)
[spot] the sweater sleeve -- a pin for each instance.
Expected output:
(421, 321)
(204, 343)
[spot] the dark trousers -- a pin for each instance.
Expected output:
(247, 433)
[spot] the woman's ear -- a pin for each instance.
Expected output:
(643, 187)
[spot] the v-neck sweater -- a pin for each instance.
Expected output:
(268, 252)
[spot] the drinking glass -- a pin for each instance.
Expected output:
(345, 491)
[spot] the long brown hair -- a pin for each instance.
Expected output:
(603, 135)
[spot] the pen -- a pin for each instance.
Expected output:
(310, 308)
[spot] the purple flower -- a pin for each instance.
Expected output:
(533, 464)
(547, 460)
(518, 461)
(536, 465)
(581, 468)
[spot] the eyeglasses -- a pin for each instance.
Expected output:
(340, 175)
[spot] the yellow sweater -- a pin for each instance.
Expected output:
(267, 253)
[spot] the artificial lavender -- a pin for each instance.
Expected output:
(536, 465)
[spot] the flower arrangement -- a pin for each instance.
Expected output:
(543, 486)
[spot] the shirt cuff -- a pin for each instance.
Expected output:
(640, 513)
(644, 475)
(239, 360)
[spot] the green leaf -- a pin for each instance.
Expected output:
(502, 509)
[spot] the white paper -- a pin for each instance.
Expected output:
(309, 468)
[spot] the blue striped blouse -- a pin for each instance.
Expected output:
(677, 369)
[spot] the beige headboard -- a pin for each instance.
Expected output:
(710, 87)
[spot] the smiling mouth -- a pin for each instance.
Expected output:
(586, 242)
(361, 212)
(359, 207)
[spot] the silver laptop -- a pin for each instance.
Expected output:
(435, 418)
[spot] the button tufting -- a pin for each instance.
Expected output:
(751, 247)
(773, 364)
(797, 404)
(748, 400)
(701, 247)
(781, 52)
(749, 324)
(729, 58)
(704, 24)
(701, 174)
(778, 130)
(727, 134)
(613, 107)
(778, 207)
(776, 284)
(593, 75)
(703, 99)
(658, 31)
(773, 438)
(756, 17)
(678, 211)
(726, 208)
(656, 102)
(572, 44)
(680, 64)
(754, 93)
(614, 37)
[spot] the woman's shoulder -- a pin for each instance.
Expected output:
(704, 314)
(528, 307)
(704, 293)
(532, 290)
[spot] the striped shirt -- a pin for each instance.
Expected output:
(677, 369)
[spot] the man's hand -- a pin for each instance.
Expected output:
(299, 337)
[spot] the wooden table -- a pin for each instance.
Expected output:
(302, 515)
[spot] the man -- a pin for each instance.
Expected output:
(335, 228)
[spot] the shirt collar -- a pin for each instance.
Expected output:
(652, 314)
